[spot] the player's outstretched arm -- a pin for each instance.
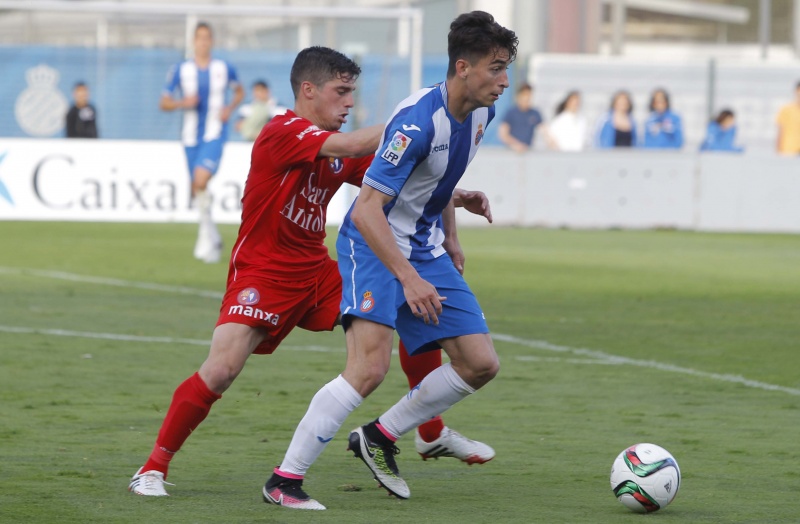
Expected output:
(367, 215)
(476, 202)
(361, 142)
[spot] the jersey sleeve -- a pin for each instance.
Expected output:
(173, 80)
(296, 141)
(406, 143)
(356, 167)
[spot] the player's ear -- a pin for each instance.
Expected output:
(462, 68)
(307, 90)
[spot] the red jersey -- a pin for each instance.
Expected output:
(285, 201)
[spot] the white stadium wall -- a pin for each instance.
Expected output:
(147, 181)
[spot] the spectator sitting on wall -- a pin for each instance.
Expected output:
(789, 126)
(518, 128)
(568, 129)
(663, 128)
(81, 117)
(617, 127)
(721, 133)
(258, 112)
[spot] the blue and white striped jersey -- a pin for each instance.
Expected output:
(203, 123)
(423, 154)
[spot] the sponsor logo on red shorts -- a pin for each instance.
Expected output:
(367, 302)
(248, 297)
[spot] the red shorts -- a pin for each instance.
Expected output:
(279, 306)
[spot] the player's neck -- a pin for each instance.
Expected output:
(458, 104)
(202, 61)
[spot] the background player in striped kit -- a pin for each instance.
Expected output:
(203, 83)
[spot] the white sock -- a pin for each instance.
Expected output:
(202, 200)
(437, 393)
(326, 414)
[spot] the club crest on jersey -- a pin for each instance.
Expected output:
(367, 302)
(336, 164)
(249, 296)
(395, 148)
(479, 134)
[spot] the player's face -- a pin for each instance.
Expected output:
(202, 42)
(488, 78)
(333, 102)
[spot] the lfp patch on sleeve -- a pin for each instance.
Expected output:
(395, 148)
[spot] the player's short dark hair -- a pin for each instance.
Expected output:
(524, 86)
(653, 97)
(261, 83)
(203, 25)
(475, 35)
(319, 65)
(78, 84)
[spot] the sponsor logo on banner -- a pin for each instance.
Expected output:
(4, 193)
(396, 147)
(40, 108)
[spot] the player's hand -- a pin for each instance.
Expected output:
(225, 114)
(190, 102)
(456, 254)
(424, 300)
(477, 203)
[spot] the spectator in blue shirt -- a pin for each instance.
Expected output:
(663, 128)
(617, 127)
(520, 121)
(721, 133)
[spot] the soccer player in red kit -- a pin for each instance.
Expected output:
(280, 274)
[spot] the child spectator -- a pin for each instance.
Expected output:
(721, 133)
(617, 127)
(663, 128)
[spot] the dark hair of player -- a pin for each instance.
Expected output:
(475, 35)
(203, 25)
(261, 83)
(319, 65)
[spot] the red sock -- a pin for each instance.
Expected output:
(190, 405)
(416, 368)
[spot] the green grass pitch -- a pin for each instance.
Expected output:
(606, 338)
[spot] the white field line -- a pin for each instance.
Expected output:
(614, 359)
(150, 340)
(72, 277)
(596, 357)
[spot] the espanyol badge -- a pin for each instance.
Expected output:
(479, 134)
(367, 302)
(336, 164)
(249, 296)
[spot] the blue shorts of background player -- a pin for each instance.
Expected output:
(371, 292)
(206, 155)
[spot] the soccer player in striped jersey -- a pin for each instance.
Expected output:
(394, 257)
(199, 88)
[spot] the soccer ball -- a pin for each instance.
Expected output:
(645, 478)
